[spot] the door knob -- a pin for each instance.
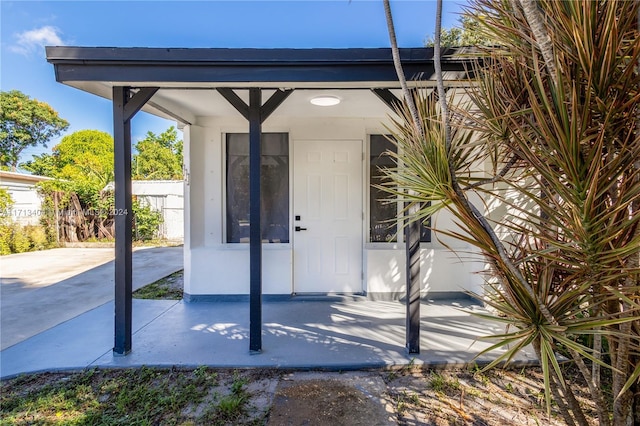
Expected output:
(298, 229)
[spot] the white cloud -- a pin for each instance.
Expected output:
(33, 41)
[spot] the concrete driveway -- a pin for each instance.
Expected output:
(42, 289)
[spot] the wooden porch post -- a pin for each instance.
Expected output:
(125, 107)
(255, 113)
(123, 222)
(412, 243)
(255, 230)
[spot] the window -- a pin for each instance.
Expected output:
(383, 213)
(274, 184)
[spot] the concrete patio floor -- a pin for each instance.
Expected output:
(41, 289)
(297, 334)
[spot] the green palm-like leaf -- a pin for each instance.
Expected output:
(561, 159)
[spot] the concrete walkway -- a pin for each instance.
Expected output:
(42, 289)
(297, 334)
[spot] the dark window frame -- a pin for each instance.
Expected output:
(383, 215)
(374, 205)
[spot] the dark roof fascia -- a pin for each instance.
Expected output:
(244, 65)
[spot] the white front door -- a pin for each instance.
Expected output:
(327, 209)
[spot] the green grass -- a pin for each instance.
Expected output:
(144, 396)
(440, 382)
(231, 407)
(164, 288)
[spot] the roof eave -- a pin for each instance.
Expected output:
(233, 66)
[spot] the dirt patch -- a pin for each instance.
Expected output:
(349, 399)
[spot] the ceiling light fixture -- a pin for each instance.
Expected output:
(325, 100)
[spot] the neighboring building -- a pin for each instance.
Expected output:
(27, 202)
(167, 197)
(320, 115)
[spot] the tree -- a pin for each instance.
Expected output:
(86, 155)
(158, 157)
(467, 34)
(82, 164)
(41, 165)
(554, 120)
(83, 161)
(25, 122)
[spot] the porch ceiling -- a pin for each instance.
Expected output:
(187, 104)
(354, 103)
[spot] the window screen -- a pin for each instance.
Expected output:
(274, 180)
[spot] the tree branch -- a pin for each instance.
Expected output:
(395, 53)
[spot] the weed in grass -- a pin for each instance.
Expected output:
(453, 383)
(410, 365)
(391, 375)
(536, 395)
(442, 383)
(406, 401)
(237, 387)
(480, 376)
(476, 393)
(509, 387)
(231, 407)
(401, 405)
(437, 382)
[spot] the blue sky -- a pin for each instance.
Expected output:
(26, 26)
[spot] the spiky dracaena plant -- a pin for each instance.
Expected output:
(565, 142)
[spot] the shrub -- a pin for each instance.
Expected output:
(19, 239)
(37, 237)
(6, 202)
(5, 239)
(146, 221)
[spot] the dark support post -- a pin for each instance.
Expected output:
(123, 222)
(125, 107)
(412, 241)
(255, 233)
(256, 113)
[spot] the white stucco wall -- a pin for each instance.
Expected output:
(442, 271)
(213, 267)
